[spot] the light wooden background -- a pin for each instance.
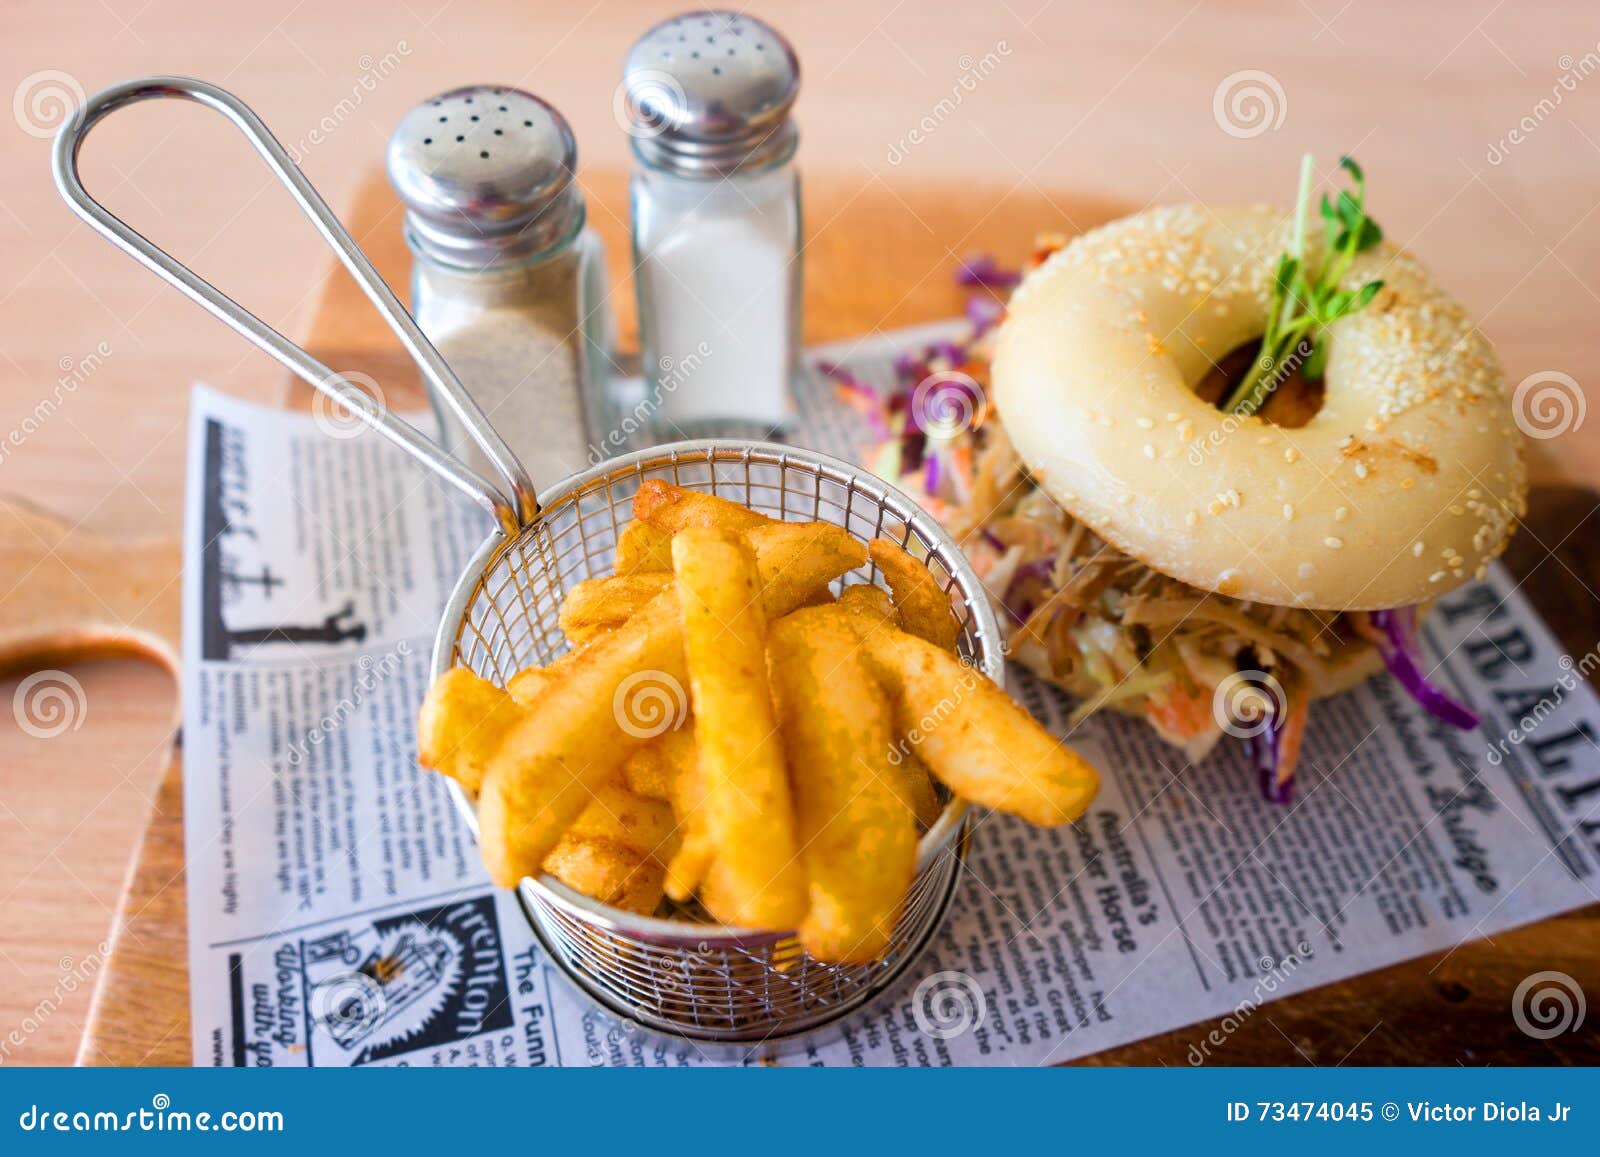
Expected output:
(1109, 101)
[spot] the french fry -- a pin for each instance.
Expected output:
(689, 868)
(463, 720)
(873, 603)
(654, 769)
(671, 508)
(617, 849)
(749, 814)
(924, 607)
(859, 841)
(641, 549)
(602, 604)
(578, 729)
(797, 558)
(979, 742)
(869, 609)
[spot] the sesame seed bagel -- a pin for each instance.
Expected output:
(1403, 485)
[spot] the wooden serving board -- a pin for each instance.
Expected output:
(878, 258)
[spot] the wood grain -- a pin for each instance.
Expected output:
(873, 264)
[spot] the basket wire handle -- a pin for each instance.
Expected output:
(512, 513)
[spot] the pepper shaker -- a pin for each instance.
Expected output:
(507, 281)
(716, 218)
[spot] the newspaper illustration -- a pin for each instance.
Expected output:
(338, 913)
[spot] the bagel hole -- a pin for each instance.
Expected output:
(1294, 403)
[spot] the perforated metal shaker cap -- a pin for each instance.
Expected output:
(709, 92)
(486, 173)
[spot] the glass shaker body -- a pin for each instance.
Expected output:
(718, 276)
(529, 341)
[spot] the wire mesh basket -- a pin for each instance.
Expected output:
(705, 982)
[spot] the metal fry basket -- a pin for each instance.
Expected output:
(704, 981)
(698, 981)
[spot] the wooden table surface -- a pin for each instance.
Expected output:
(951, 127)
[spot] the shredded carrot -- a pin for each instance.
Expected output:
(1298, 693)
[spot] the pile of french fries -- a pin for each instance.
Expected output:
(727, 730)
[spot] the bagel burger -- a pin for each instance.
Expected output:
(1215, 571)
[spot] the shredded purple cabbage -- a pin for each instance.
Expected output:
(1404, 662)
(984, 313)
(983, 272)
(1265, 751)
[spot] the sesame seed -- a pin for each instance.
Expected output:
(1307, 570)
(1291, 455)
(1416, 549)
(1436, 576)
(1146, 423)
(1333, 543)
(1191, 518)
(1361, 469)
(1341, 514)
(1149, 451)
(1288, 510)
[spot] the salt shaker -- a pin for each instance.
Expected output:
(716, 218)
(506, 280)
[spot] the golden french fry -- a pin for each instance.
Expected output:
(972, 736)
(463, 720)
(689, 868)
(821, 597)
(672, 508)
(872, 602)
(868, 608)
(924, 607)
(914, 784)
(654, 769)
(581, 727)
(602, 604)
(796, 558)
(527, 684)
(859, 841)
(749, 815)
(576, 733)
(641, 549)
(617, 849)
